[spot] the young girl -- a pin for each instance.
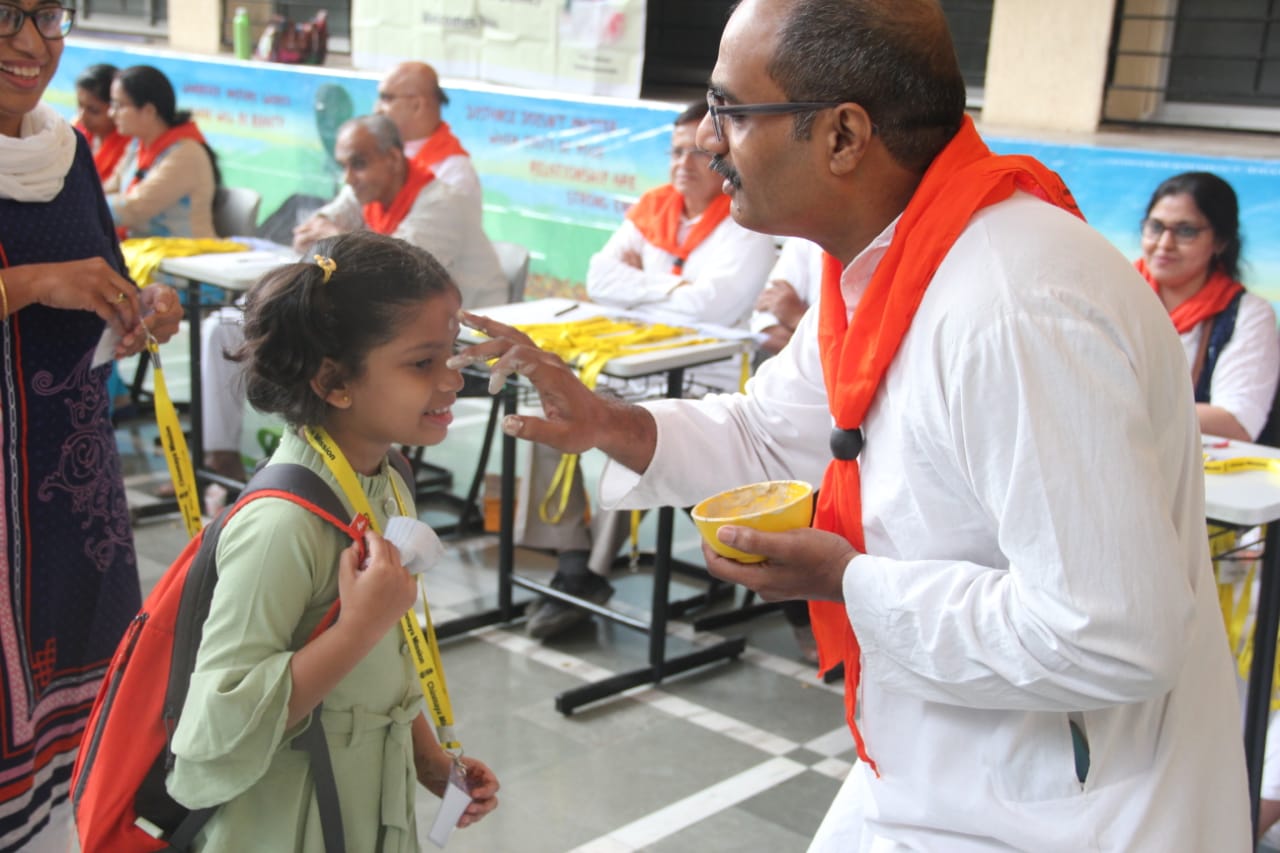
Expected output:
(350, 348)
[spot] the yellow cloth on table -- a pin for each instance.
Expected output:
(142, 255)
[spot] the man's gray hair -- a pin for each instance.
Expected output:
(382, 128)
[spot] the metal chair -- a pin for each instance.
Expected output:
(235, 211)
(514, 260)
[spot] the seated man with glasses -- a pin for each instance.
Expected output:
(677, 258)
(410, 95)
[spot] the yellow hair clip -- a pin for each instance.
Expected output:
(326, 264)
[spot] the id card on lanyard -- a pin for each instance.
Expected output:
(423, 645)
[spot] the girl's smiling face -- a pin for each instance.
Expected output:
(405, 393)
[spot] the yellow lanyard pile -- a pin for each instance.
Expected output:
(422, 645)
(588, 345)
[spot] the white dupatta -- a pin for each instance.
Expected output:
(34, 164)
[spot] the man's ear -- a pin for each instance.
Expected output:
(849, 133)
(330, 385)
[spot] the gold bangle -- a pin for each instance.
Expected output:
(4, 300)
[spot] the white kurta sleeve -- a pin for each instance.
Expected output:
(1244, 379)
(345, 210)
(612, 282)
(435, 224)
(794, 266)
(721, 277)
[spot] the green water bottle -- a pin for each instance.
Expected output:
(240, 33)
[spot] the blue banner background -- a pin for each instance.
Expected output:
(558, 174)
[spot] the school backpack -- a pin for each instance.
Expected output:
(118, 782)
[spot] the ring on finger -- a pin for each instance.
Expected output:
(119, 297)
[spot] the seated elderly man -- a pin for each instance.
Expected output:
(385, 192)
(410, 96)
(678, 258)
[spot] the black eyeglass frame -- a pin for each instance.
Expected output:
(780, 108)
(64, 28)
(1154, 229)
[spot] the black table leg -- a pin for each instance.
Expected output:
(1258, 704)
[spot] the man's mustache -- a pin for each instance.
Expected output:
(724, 170)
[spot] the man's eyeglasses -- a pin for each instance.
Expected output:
(1153, 229)
(718, 108)
(52, 22)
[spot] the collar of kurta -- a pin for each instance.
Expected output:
(385, 220)
(1209, 301)
(440, 145)
(965, 178)
(147, 154)
(657, 216)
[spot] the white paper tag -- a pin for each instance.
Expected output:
(106, 346)
(452, 805)
(419, 546)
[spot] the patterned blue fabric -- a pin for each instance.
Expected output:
(70, 575)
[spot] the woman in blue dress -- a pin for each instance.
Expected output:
(70, 582)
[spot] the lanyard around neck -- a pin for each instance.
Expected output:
(422, 645)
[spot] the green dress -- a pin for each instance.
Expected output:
(278, 575)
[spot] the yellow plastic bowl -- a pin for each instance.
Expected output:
(773, 506)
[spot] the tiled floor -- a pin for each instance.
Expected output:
(743, 755)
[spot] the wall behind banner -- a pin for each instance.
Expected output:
(559, 173)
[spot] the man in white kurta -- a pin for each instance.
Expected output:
(1044, 667)
(1033, 507)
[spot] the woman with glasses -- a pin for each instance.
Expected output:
(1191, 257)
(70, 581)
(168, 189)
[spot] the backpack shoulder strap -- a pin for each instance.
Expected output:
(302, 485)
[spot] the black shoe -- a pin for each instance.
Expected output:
(551, 616)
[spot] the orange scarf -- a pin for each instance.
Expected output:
(962, 180)
(385, 220)
(1209, 301)
(439, 145)
(109, 152)
(658, 213)
(147, 154)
